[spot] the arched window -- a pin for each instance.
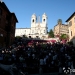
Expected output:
(33, 20)
(71, 33)
(44, 20)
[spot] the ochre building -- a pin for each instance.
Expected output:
(71, 24)
(60, 29)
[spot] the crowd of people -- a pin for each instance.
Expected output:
(39, 57)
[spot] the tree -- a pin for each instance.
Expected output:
(17, 36)
(64, 37)
(59, 21)
(51, 33)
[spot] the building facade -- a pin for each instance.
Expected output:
(38, 29)
(60, 28)
(7, 25)
(71, 24)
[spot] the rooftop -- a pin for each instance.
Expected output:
(70, 17)
(3, 5)
(22, 28)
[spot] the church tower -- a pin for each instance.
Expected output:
(44, 23)
(33, 24)
(33, 20)
(44, 18)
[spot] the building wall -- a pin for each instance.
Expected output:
(2, 26)
(37, 29)
(64, 29)
(2, 37)
(72, 27)
(22, 31)
(71, 23)
(7, 25)
(61, 29)
(56, 30)
(33, 32)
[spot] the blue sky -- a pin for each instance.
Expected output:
(54, 9)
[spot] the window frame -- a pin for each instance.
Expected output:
(71, 33)
(70, 23)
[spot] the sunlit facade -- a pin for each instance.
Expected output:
(38, 29)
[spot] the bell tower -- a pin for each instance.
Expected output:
(44, 23)
(33, 20)
(44, 18)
